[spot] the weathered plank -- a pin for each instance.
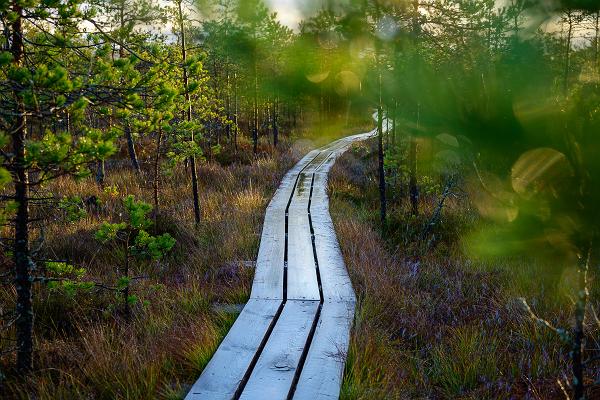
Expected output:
(277, 364)
(268, 278)
(274, 372)
(302, 281)
(223, 374)
(336, 284)
(321, 376)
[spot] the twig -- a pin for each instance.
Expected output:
(438, 211)
(563, 389)
(562, 333)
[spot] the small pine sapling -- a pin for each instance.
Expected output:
(138, 245)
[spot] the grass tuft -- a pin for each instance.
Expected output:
(85, 348)
(433, 320)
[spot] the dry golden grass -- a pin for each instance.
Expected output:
(433, 322)
(84, 348)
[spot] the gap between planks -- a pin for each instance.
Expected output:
(271, 321)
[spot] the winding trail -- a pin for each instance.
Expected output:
(291, 338)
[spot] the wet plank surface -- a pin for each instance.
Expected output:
(291, 339)
(321, 377)
(273, 374)
(268, 278)
(302, 273)
(226, 369)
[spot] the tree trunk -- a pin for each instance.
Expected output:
(100, 172)
(394, 123)
(275, 127)
(22, 259)
(413, 148)
(387, 128)
(295, 118)
(127, 126)
(321, 110)
(381, 167)
(568, 53)
(228, 106)
(255, 122)
(197, 215)
(516, 24)
(437, 214)
(101, 164)
(578, 331)
(131, 147)
(348, 109)
(156, 183)
(255, 133)
(126, 307)
(380, 148)
(235, 113)
(597, 42)
(413, 186)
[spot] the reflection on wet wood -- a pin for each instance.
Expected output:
(291, 338)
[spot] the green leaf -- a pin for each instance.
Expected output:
(60, 269)
(5, 177)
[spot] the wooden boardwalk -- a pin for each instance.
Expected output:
(291, 338)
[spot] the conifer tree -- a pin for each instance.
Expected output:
(138, 245)
(45, 135)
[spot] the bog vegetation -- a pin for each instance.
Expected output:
(141, 140)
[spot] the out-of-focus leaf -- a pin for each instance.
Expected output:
(447, 161)
(346, 82)
(539, 170)
(492, 198)
(318, 77)
(448, 140)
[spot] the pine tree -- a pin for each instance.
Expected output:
(132, 234)
(46, 136)
(128, 23)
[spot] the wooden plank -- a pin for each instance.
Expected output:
(336, 284)
(338, 148)
(321, 376)
(268, 277)
(302, 192)
(274, 372)
(223, 374)
(302, 283)
(284, 191)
